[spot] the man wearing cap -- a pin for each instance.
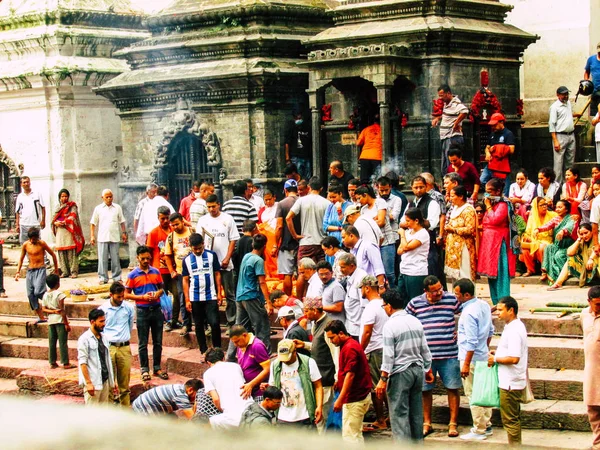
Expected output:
(497, 153)
(300, 380)
(286, 249)
(354, 383)
(291, 327)
(372, 322)
(322, 350)
(366, 226)
(562, 129)
(450, 122)
(592, 70)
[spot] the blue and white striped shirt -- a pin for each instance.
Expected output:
(201, 272)
(438, 322)
(404, 343)
(162, 400)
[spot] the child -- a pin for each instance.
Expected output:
(35, 249)
(58, 324)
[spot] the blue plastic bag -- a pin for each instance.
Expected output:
(485, 385)
(166, 305)
(334, 420)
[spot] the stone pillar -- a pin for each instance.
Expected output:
(384, 95)
(315, 114)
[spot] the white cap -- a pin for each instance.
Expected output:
(286, 311)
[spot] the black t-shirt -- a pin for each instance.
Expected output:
(283, 208)
(242, 248)
(102, 354)
(299, 138)
(502, 137)
(343, 181)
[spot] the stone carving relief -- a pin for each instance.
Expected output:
(265, 166)
(360, 51)
(14, 169)
(184, 120)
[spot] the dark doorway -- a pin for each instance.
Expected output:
(8, 194)
(186, 163)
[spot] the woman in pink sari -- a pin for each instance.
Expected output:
(69, 237)
(573, 190)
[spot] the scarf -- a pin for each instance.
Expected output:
(68, 213)
(536, 221)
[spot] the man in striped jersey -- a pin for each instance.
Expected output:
(239, 207)
(435, 309)
(168, 398)
(201, 272)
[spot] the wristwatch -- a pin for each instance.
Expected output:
(384, 379)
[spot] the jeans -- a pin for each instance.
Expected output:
(121, 361)
(405, 397)
(1, 271)
(104, 249)
(206, 311)
(388, 256)
(253, 315)
(458, 142)
(303, 165)
(487, 175)
(229, 286)
(179, 305)
(370, 169)
(57, 331)
(149, 319)
(411, 286)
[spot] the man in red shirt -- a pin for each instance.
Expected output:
(466, 170)
(354, 382)
(186, 202)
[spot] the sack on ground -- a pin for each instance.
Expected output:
(485, 385)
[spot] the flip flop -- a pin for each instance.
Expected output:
(162, 375)
(146, 376)
(429, 431)
(554, 288)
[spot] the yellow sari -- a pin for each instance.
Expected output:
(535, 221)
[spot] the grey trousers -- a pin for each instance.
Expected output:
(228, 280)
(564, 158)
(253, 316)
(104, 249)
(405, 396)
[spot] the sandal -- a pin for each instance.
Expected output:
(162, 375)
(452, 429)
(544, 276)
(554, 287)
(427, 429)
(146, 376)
(526, 274)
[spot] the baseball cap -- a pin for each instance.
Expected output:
(290, 184)
(352, 209)
(286, 311)
(496, 117)
(562, 90)
(369, 280)
(285, 350)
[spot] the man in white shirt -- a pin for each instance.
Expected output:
(313, 285)
(149, 217)
(511, 357)
(29, 210)
(220, 382)
(366, 226)
(150, 194)
(220, 236)
(371, 338)
(108, 218)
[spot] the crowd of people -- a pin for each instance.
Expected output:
(357, 274)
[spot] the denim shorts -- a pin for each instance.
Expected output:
(448, 370)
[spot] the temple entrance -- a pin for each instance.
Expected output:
(187, 162)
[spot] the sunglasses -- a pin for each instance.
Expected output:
(479, 211)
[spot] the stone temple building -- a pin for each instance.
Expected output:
(208, 89)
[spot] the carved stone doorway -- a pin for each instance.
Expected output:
(10, 182)
(186, 162)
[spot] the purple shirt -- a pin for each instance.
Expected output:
(249, 361)
(368, 257)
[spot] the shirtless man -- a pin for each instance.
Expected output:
(35, 249)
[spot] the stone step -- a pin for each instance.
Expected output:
(553, 352)
(8, 387)
(540, 414)
(60, 399)
(36, 348)
(547, 384)
(546, 324)
(66, 382)
(532, 439)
